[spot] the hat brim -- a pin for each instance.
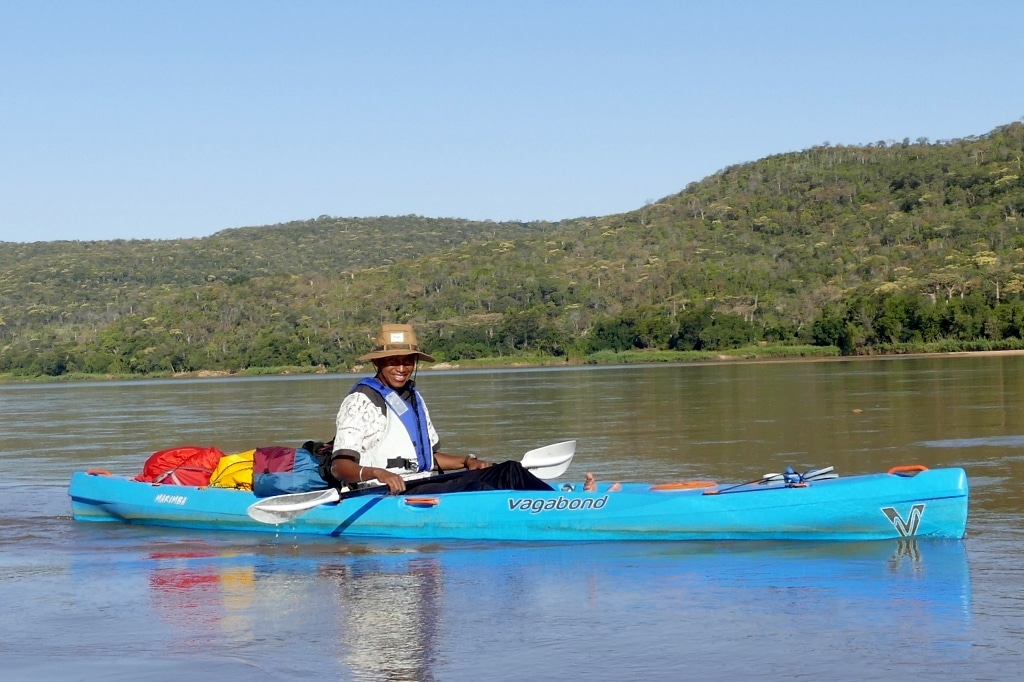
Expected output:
(377, 355)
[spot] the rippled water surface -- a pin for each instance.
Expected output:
(97, 601)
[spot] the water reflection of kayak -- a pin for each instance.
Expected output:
(302, 606)
(927, 580)
(919, 503)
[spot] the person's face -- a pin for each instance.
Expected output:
(395, 371)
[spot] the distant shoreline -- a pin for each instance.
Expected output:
(629, 358)
(727, 359)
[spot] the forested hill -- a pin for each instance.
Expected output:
(861, 247)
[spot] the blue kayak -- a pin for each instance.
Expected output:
(904, 502)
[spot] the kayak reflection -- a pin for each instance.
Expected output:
(394, 611)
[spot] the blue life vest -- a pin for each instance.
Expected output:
(413, 418)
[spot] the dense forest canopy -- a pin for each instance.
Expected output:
(865, 248)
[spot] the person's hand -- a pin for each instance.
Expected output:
(394, 482)
(474, 463)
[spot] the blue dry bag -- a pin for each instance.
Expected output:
(279, 470)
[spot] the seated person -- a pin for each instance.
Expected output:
(384, 430)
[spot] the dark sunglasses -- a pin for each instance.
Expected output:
(395, 360)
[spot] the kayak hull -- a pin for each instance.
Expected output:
(929, 503)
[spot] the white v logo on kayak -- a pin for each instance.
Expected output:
(908, 527)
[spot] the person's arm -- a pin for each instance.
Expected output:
(347, 469)
(447, 462)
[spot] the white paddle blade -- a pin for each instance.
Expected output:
(550, 461)
(273, 518)
(283, 508)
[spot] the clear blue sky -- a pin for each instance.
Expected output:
(178, 118)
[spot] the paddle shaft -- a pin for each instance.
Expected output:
(409, 485)
(547, 462)
(732, 487)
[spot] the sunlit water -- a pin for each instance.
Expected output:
(95, 601)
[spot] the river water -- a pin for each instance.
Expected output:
(102, 601)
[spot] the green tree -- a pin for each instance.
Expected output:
(727, 331)
(691, 324)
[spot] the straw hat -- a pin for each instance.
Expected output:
(396, 339)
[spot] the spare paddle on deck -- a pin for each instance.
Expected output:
(550, 461)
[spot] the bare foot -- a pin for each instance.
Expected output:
(614, 486)
(590, 483)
